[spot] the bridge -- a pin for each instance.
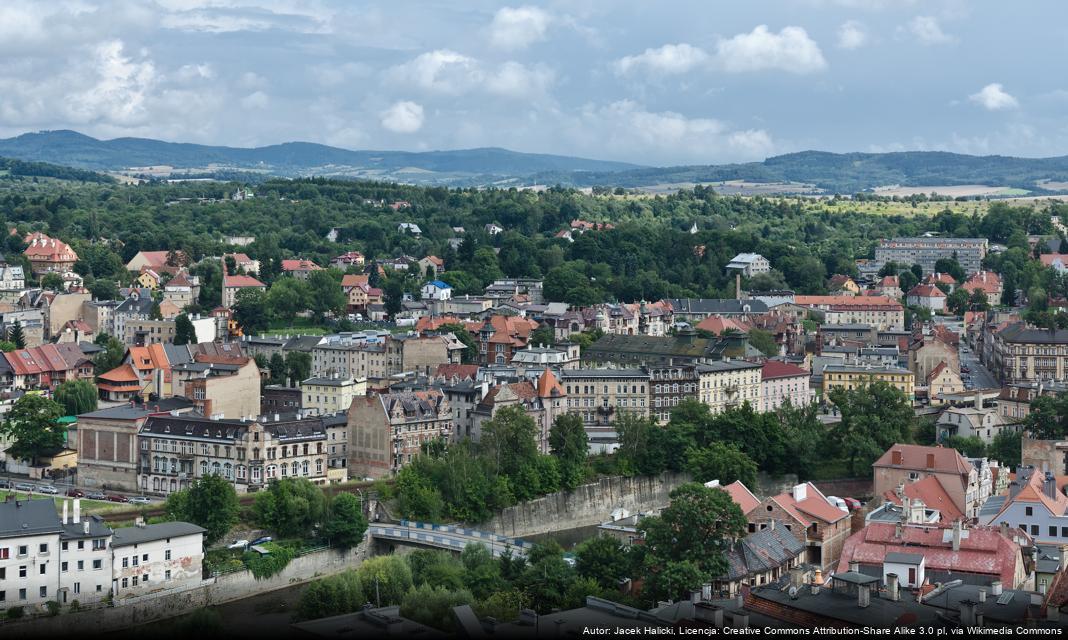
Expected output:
(442, 536)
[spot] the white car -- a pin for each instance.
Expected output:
(237, 544)
(140, 500)
(49, 489)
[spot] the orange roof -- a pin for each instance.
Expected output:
(933, 495)
(549, 386)
(719, 324)
(300, 265)
(350, 280)
(986, 281)
(241, 281)
(42, 247)
(914, 456)
(122, 373)
(814, 505)
(155, 258)
(939, 278)
(805, 301)
(742, 496)
(925, 291)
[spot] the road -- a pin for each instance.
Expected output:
(981, 377)
(447, 537)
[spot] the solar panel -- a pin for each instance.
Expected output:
(1006, 598)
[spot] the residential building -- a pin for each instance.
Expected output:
(927, 296)
(501, 337)
(971, 421)
(222, 386)
(543, 400)
(136, 306)
(299, 268)
(988, 282)
(348, 259)
(749, 264)
(782, 382)
(243, 263)
(902, 464)
(600, 395)
(510, 287)
(182, 290)
(386, 431)
(668, 386)
(48, 255)
(843, 284)
(682, 348)
(1055, 261)
(12, 277)
(560, 356)
(890, 287)
(938, 553)
(947, 282)
(47, 366)
(232, 284)
(368, 358)
(431, 266)
(968, 252)
(436, 290)
(155, 557)
(409, 227)
(145, 372)
(850, 376)
(877, 311)
(1024, 354)
(1035, 503)
(927, 353)
(326, 396)
(942, 381)
(761, 557)
(423, 353)
(806, 513)
(694, 310)
(276, 399)
(726, 384)
(1014, 402)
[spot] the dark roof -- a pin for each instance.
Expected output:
(762, 551)
(302, 343)
(28, 517)
(126, 536)
(299, 430)
(903, 558)
(612, 345)
(603, 373)
(135, 305)
(97, 529)
(136, 412)
(1020, 332)
(194, 427)
(718, 306)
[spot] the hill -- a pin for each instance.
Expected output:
(10, 168)
(485, 165)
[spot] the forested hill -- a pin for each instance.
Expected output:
(21, 169)
(847, 172)
(291, 158)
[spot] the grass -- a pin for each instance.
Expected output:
(901, 208)
(88, 506)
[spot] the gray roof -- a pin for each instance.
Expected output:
(903, 558)
(603, 373)
(97, 529)
(127, 536)
(128, 412)
(1021, 333)
(854, 368)
(727, 365)
(762, 551)
(330, 382)
(717, 305)
(28, 517)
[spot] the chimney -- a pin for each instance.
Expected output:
(995, 588)
(978, 400)
(85, 527)
(1042, 586)
(1004, 528)
(895, 457)
(77, 510)
(956, 535)
(930, 461)
(800, 492)
(65, 511)
(863, 596)
(854, 566)
(695, 596)
(891, 587)
(967, 612)
(982, 595)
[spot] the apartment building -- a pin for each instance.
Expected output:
(600, 395)
(388, 430)
(1024, 354)
(782, 382)
(726, 384)
(323, 396)
(962, 481)
(227, 387)
(151, 558)
(851, 376)
(668, 386)
(969, 252)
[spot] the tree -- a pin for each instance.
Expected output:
(950, 266)
(211, 502)
(1048, 417)
(15, 334)
(31, 425)
(345, 524)
(874, 417)
(251, 311)
(605, 559)
(1006, 448)
(184, 331)
(331, 596)
(112, 356)
(290, 507)
(957, 302)
(53, 282)
(543, 335)
(298, 366)
(385, 579)
(763, 341)
(433, 606)
(393, 296)
(7, 346)
(508, 442)
(277, 366)
(325, 294)
(287, 296)
(76, 396)
(723, 462)
(570, 444)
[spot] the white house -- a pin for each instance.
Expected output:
(976, 421)
(750, 264)
(410, 227)
(147, 558)
(928, 296)
(1034, 504)
(494, 228)
(436, 290)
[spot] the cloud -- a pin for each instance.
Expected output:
(403, 117)
(447, 72)
(515, 80)
(994, 98)
(668, 59)
(119, 89)
(518, 27)
(255, 100)
(852, 35)
(927, 30)
(788, 50)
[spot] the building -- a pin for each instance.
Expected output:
(562, 356)
(727, 384)
(232, 285)
(694, 310)
(806, 513)
(685, 347)
(12, 277)
(851, 376)
(969, 252)
(431, 266)
(903, 464)
(1035, 503)
(299, 268)
(889, 286)
(436, 290)
(938, 553)
(156, 557)
(48, 255)
(348, 259)
(988, 282)
(243, 263)
(1014, 401)
(227, 387)
(927, 296)
(749, 264)
(182, 290)
(843, 284)
(668, 386)
(782, 382)
(501, 337)
(1024, 354)
(925, 355)
(367, 359)
(145, 372)
(942, 381)
(762, 557)
(386, 431)
(48, 365)
(279, 399)
(327, 396)
(542, 400)
(600, 395)
(510, 287)
(877, 311)
(974, 421)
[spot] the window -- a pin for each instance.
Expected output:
(167, 554)
(63, 566)
(81, 565)
(1034, 529)
(125, 583)
(24, 550)
(98, 545)
(77, 587)
(3, 596)
(1028, 511)
(63, 546)
(1053, 532)
(134, 581)
(81, 544)
(22, 571)
(98, 564)
(5, 553)
(144, 558)
(44, 592)
(167, 574)
(125, 562)
(22, 594)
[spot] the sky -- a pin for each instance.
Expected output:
(659, 82)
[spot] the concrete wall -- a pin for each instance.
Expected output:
(587, 505)
(213, 591)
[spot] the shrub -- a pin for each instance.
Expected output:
(270, 564)
(53, 607)
(14, 613)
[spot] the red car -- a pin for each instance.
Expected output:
(852, 503)
(75, 493)
(117, 498)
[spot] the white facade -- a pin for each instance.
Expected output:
(750, 264)
(147, 558)
(774, 392)
(29, 569)
(436, 290)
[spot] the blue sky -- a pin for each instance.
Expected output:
(665, 82)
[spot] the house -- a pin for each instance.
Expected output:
(243, 263)
(501, 337)
(805, 512)
(939, 553)
(150, 558)
(326, 396)
(926, 296)
(432, 266)
(436, 290)
(348, 259)
(299, 268)
(493, 228)
(850, 376)
(1035, 503)
(232, 285)
(929, 352)
(974, 421)
(543, 401)
(48, 255)
(782, 382)
(219, 386)
(988, 282)
(182, 290)
(761, 557)
(941, 381)
(749, 264)
(843, 284)
(48, 365)
(600, 395)
(880, 312)
(924, 500)
(903, 464)
(1055, 261)
(12, 277)
(146, 371)
(947, 282)
(387, 431)
(1020, 354)
(889, 286)
(409, 227)
(510, 288)
(158, 261)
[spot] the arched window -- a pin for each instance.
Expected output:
(295, 468)
(305, 469)
(155, 484)
(215, 468)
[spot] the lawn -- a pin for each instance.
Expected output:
(88, 506)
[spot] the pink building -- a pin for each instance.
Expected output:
(782, 381)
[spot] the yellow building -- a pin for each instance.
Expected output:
(725, 384)
(148, 279)
(327, 396)
(852, 376)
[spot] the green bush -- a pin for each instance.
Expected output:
(14, 613)
(270, 564)
(53, 607)
(75, 606)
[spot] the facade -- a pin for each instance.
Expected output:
(927, 354)
(849, 377)
(806, 513)
(220, 386)
(279, 399)
(694, 310)
(749, 264)
(1022, 354)
(728, 383)
(151, 558)
(47, 366)
(232, 284)
(668, 386)
(927, 296)
(884, 314)
(760, 558)
(1035, 503)
(683, 348)
(903, 464)
(969, 252)
(48, 255)
(988, 282)
(971, 421)
(324, 396)
(600, 395)
(436, 290)
(299, 268)
(782, 382)
(386, 431)
(942, 381)
(369, 360)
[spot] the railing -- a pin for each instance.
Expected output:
(449, 537)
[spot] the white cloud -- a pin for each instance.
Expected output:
(994, 98)
(852, 35)
(451, 73)
(403, 117)
(515, 80)
(751, 143)
(518, 27)
(255, 100)
(928, 30)
(668, 59)
(119, 89)
(788, 50)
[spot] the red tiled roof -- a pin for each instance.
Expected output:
(926, 291)
(742, 496)
(47, 358)
(777, 369)
(241, 281)
(914, 456)
(300, 265)
(350, 280)
(1049, 258)
(810, 507)
(155, 258)
(939, 278)
(934, 496)
(986, 281)
(460, 371)
(42, 247)
(805, 301)
(719, 324)
(549, 386)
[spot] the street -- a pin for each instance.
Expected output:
(980, 376)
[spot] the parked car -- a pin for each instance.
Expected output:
(838, 502)
(49, 489)
(96, 496)
(117, 498)
(237, 544)
(260, 541)
(853, 503)
(964, 369)
(5, 484)
(75, 493)
(22, 486)
(139, 500)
